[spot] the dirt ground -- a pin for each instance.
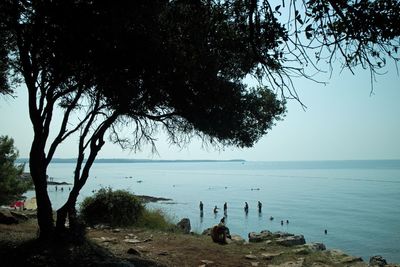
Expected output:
(142, 247)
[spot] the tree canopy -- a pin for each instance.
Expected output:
(181, 66)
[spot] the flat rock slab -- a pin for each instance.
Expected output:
(132, 241)
(291, 240)
(108, 239)
(206, 262)
(250, 257)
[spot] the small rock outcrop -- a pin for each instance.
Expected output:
(237, 239)
(281, 238)
(250, 257)
(184, 225)
(290, 241)
(377, 260)
(19, 216)
(260, 237)
(342, 258)
(7, 218)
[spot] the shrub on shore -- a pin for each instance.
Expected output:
(115, 208)
(121, 208)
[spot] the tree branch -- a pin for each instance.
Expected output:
(60, 137)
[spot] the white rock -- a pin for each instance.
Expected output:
(250, 257)
(206, 262)
(132, 241)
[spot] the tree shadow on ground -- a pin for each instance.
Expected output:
(38, 253)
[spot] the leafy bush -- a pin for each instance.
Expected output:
(115, 208)
(156, 219)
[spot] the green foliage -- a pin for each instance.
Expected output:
(121, 208)
(155, 219)
(115, 208)
(11, 184)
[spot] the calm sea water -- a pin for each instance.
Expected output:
(358, 202)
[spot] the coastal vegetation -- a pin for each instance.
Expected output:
(115, 208)
(171, 66)
(12, 185)
(121, 208)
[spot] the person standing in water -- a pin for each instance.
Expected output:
(259, 206)
(215, 210)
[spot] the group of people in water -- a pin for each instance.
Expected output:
(220, 232)
(215, 210)
(61, 188)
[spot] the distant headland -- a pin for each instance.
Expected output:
(106, 160)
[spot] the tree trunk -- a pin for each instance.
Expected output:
(44, 210)
(67, 210)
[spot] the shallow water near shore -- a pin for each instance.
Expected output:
(357, 202)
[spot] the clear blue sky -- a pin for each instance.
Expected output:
(342, 121)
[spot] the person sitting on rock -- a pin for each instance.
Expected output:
(220, 232)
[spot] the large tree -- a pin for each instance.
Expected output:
(12, 186)
(177, 65)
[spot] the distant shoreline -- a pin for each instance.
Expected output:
(72, 160)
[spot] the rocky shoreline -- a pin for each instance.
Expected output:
(157, 248)
(301, 247)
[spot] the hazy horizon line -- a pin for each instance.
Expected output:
(128, 160)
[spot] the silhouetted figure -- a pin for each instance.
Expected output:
(201, 206)
(259, 206)
(225, 208)
(271, 218)
(287, 221)
(246, 207)
(326, 231)
(215, 209)
(56, 188)
(282, 222)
